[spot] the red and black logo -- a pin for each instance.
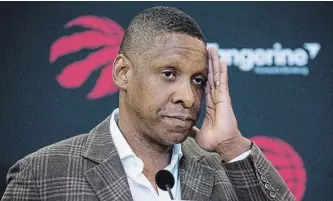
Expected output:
(104, 36)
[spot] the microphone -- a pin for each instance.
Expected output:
(165, 181)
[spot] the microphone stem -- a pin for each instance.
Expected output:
(169, 191)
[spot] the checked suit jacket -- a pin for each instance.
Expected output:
(87, 168)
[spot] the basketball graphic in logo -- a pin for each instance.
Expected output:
(103, 36)
(286, 160)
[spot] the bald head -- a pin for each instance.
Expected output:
(153, 22)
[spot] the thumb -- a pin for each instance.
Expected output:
(194, 131)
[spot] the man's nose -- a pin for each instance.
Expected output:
(184, 94)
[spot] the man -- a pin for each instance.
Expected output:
(163, 72)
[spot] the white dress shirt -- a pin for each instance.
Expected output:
(141, 188)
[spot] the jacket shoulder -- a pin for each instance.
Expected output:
(71, 147)
(53, 157)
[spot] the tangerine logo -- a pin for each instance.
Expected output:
(104, 36)
(287, 161)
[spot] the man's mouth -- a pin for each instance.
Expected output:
(178, 121)
(180, 117)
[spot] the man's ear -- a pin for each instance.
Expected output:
(122, 71)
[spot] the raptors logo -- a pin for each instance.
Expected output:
(104, 36)
(287, 161)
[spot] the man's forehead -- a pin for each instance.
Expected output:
(178, 39)
(173, 42)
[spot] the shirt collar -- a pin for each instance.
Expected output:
(118, 138)
(126, 154)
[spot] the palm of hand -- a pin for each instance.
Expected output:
(220, 124)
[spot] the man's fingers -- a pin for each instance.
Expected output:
(210, 69)
(217, 78)
(216, 67)
(207, 93)
(224, 86)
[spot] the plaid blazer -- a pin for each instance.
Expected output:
(87, 168)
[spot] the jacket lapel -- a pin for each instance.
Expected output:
(107, 178)
(196, 180)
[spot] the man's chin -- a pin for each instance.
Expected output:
(177, 137)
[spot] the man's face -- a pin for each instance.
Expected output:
(167, 86)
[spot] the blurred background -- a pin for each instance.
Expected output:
(56, 64)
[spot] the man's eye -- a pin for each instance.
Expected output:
(198, 81)
(168, 74)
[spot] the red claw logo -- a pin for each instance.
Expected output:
(104, 36)
(287, 161)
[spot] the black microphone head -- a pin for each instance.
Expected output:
(164, 178)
